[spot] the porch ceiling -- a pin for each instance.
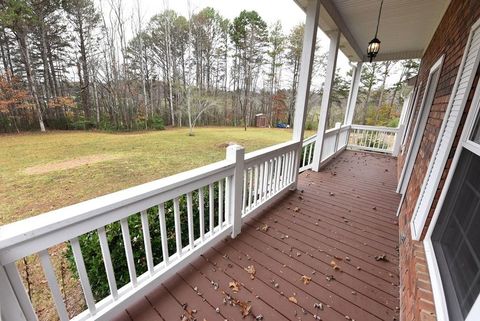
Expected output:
(406, 26)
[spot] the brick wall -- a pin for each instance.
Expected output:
(450, 40)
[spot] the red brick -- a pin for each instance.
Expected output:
(450, 39)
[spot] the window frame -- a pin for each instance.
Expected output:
(420, 125)
(411, 110)
(435, 277)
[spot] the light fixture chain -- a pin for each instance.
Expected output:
(379, 15)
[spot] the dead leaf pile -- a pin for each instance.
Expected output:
(251, 270)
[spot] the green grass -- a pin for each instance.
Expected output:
(138, 158)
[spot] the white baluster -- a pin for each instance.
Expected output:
(147, 241)
(128, 251)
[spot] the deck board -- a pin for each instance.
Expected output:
(343, 215)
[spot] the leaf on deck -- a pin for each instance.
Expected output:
(334, 265)
(251, 270)
(292, 299)
(245, 307)
(306, 279)
(234, 285)
(329, 277)
(382, 257)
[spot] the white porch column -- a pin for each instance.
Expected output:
(327, 93)
(306, 63)
(304, 79)
(352, 96)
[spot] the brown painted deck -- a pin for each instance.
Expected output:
(343, 216)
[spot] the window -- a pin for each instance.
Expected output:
(411, 109)
(420, 125)
(456, 238)
(453, 114)
(452, 243)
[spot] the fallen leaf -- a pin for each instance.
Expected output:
(292, 299)
(329, 277)
(264, 227)
(234, 285)
(382, 257)
(296, 209)
(306, 279)
(246, 307)
(334, 265)
(250, 270)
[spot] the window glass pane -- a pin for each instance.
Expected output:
(476, 131)
(456, 237)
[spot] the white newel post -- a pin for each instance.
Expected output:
(9, 306)
(304, 79)
(398, 140)
(327, 93)
(236, 153)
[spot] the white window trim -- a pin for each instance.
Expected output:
(415, 143)
(435, 277)
(422, 216)
(409, 119)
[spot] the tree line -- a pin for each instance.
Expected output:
(68, 64)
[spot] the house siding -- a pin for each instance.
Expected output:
(450, 39)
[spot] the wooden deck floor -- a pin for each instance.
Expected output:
(313, 253)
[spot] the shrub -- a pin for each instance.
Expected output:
(156, 122)
(92, 254)
(393, 122)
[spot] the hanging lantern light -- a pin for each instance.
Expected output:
(374, 44)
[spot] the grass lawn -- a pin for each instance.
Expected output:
(42, 172)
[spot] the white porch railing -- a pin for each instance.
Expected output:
(206, 203)
(308, 147)
(374, 138)
(335, 140)
(203, 205)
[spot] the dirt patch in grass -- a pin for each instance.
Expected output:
(69, 164)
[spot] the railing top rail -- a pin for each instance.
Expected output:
(65, 223)
(375, 128)
(265, 153)
(309, 139)
(337, 129)
(36, 226)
